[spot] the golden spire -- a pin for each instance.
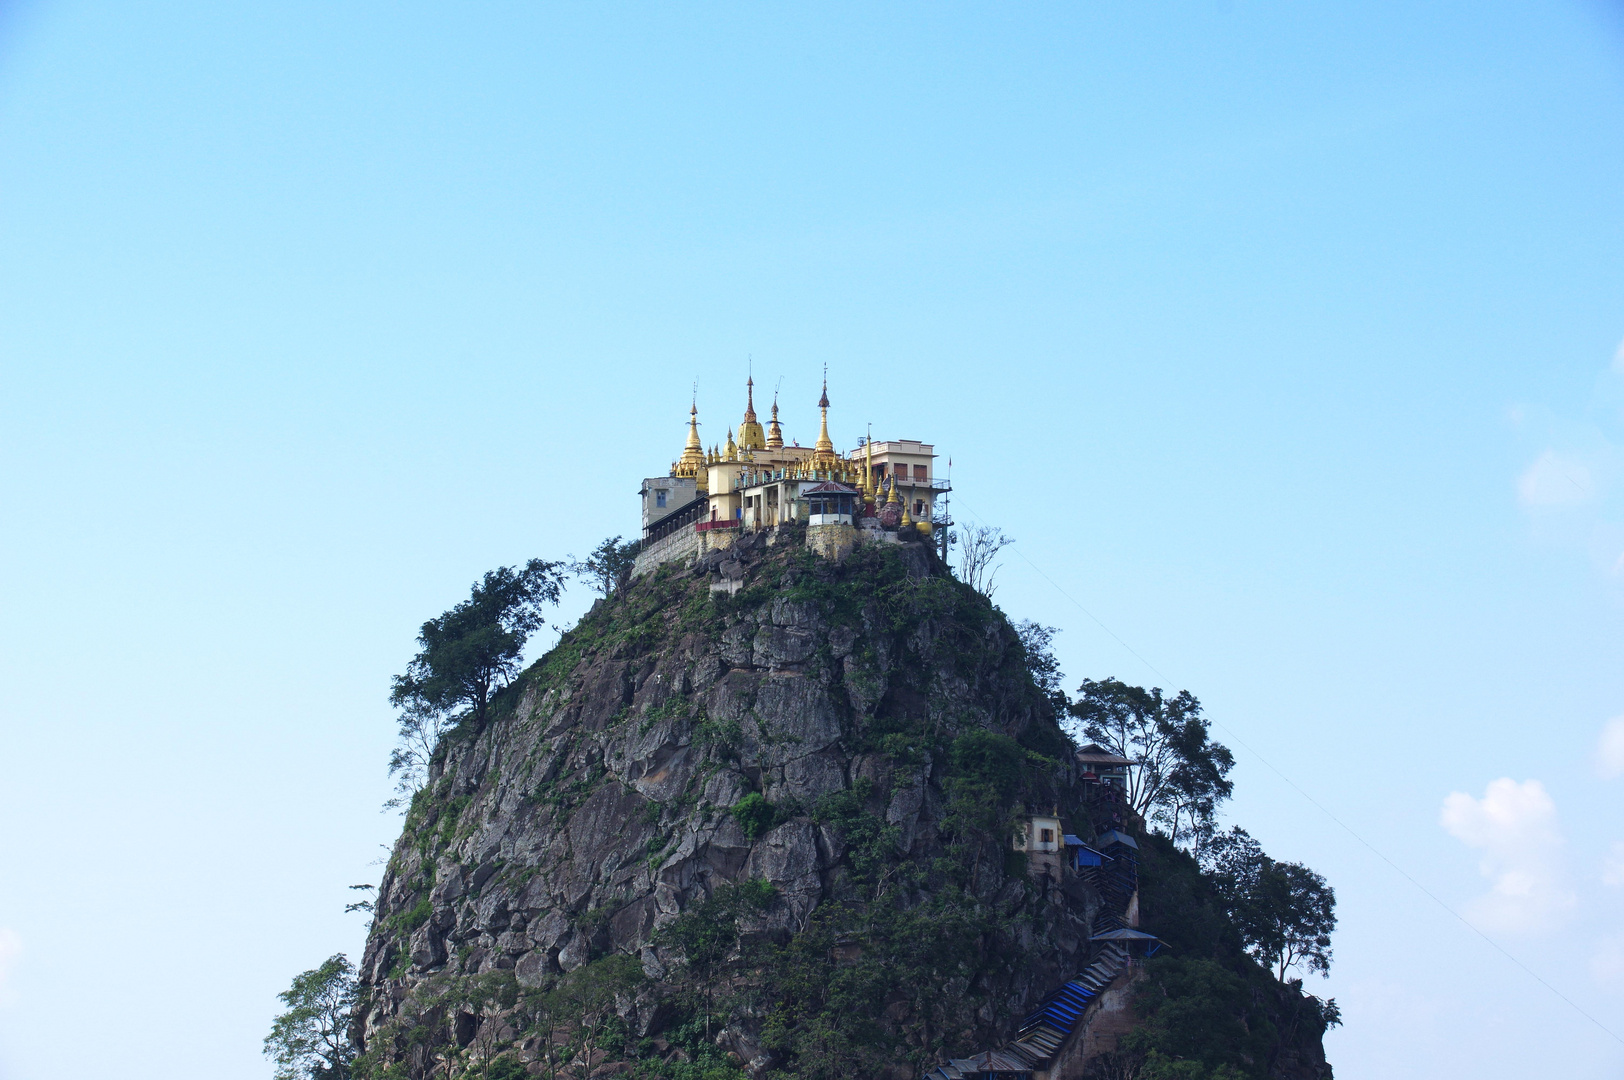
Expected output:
(750, 436)
(775, 434)
(693, 455)
(823, 451)
(731, 451)
(868, 467)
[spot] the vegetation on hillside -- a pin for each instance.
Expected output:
(894, 966)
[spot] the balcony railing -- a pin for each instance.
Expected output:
(726, 523)
(759, 479)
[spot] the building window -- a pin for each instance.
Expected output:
(1046, 836)
(659, 498)
(919, 472)
(919, 508)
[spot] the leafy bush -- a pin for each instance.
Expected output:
(986, 757)
(754, 814)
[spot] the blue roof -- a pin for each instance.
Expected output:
(1114, 836)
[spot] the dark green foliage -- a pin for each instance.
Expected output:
(708, 931)
(1179, 904)
(1180, 776)
(467, 653)
(991, 760)
(1037, 641)
(1198, 1012)
(506, 1069)
(1209, 1006)
(754, 814)
(609, 565)
(410, 919)
(832, 984)
(1284, 911)
(705, 1061)
(905, 948)
(311, 1040)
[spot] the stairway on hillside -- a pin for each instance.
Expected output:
(1046, 1031)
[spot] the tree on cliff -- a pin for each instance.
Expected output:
(978, 554)
(471, 651)
(1038, 642)
(609, 566)
(311, 1040)
(1180, 776)
(1284, 911)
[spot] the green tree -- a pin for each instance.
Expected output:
(1285, 912)
(708, 933)
(471, 651)
(1180, 775)
(1197, 783)
(311, 1040)
(421, 727)
(1200, 1022)
(585, 998)
(754, 814)
(609, 566)
(1037, 641)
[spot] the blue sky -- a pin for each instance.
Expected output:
(1284, 338)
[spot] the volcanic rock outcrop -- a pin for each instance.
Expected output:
(766, 828)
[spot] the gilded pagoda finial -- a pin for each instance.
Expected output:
(823, 451)
(775, 434)
(693, 454)
(750, 436)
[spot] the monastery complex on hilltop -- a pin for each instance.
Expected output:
(882, 491)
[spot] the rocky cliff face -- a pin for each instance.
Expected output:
(752, 832)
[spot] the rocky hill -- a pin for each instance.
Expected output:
(754, 822)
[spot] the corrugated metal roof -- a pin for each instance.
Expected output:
(1124, 935)
(1095, 754)
(990, 1061)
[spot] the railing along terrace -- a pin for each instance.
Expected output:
(683, 515)
(936, 483)
(773, 476)
(753, 478)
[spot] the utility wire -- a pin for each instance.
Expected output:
(1233, 734)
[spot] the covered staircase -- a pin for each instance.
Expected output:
(1044, 1033)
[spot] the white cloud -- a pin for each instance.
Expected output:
(11, 947)
(1610, 747)
(1555, 480)
(1515, 825)
(1612, 865)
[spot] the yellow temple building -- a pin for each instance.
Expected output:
(754, 480)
